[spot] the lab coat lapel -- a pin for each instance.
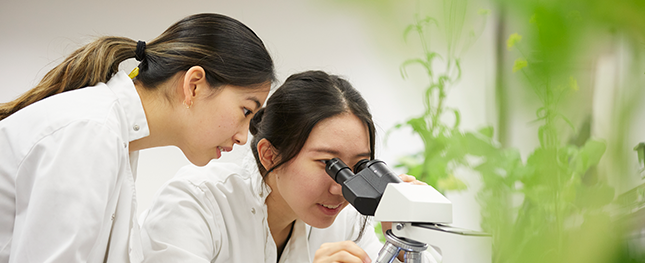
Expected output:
(297, 249)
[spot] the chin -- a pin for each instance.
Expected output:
(199, 161)
(322, 224)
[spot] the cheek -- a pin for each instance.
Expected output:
(217, 124)
(304, 185)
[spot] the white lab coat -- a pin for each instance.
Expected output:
(217, 213)
(67, 191)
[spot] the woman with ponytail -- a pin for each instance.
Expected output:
(69, 146)
(280, 205)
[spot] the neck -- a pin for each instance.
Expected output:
(280, 216)
(160, 121)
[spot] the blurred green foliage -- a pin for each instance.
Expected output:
(445, 145)
(553, 205)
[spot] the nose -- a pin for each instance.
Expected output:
(241, 135)
(335, 188)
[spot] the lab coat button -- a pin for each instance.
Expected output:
(113, 216)
(261, 194)
(135, 127)
(253, 210)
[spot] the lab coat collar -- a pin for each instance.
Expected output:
(128, 97)
(297, 249)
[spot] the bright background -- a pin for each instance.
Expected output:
(300, 35)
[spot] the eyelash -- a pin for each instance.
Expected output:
(246, 111)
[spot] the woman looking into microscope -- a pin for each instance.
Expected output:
(69, 146)
(280, 206)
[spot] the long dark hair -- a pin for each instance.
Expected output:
(230, 53)
(297, 106)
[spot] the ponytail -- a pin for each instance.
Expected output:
(229, 51)
(87, 66)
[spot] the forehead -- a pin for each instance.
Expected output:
(345, 134)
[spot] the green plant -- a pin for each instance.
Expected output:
(552, 205)
(560, 197)
(563, 202)
(443, 141)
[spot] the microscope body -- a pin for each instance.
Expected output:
(419, 214)
(422, 214)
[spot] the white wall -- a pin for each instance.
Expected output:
(300, 34)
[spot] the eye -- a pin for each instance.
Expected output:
(323, 161)
(246, 111)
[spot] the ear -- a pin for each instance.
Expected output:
(194, 79)
(267, 154)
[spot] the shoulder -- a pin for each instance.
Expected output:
(214, 172)
(217, 182)
(87, 108)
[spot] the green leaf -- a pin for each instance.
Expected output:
(568, 122)
(407, 31)
(595, 196)
(443, 80)
(409, 62)
(428, 21)
(544, 163)
(418, 124)
(487, 131)
(478, 146)
(451, 183)
(457, 118)
(573, 83)
(591, 152)
(458, 69)
(519, 64)
(512, 40)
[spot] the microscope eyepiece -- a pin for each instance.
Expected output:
(364, 186)
(338, 170)
(360, 165)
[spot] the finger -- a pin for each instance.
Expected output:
(411, 179)
(333, 250)
(385, 226)
(347, 257)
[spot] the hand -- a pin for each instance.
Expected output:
(341, 252)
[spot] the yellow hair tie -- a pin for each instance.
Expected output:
(134, 73)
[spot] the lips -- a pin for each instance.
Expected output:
(330, 209)
(331, 206)
(224, 149)
(221, 150)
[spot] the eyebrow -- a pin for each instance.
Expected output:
(258, 105)
(337, 153)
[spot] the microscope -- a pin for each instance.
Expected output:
(419, 214)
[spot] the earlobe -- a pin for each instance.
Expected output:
(267, 154)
